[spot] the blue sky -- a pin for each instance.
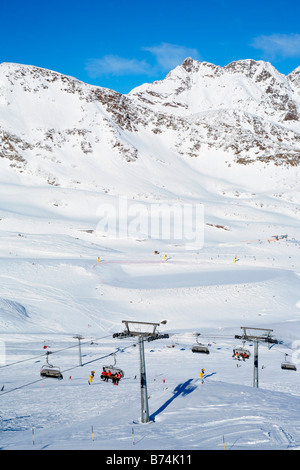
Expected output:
(121, 44)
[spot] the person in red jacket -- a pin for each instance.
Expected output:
(117, 376)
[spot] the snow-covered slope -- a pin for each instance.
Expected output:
(224, 137)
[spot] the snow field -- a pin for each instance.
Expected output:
(186, 414)
(205, 292)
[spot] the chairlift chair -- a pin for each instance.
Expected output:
(48, 370)
(113, 369)
(241, 353)
(199, 347)
(287, 365)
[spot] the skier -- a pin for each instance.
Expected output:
(201, 374)
(118, 377)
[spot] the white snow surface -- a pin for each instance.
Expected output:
(53, 287)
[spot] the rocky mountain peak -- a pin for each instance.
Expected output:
(188, 64)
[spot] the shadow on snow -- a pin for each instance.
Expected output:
(182, 389)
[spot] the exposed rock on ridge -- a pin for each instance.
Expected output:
(50, 122)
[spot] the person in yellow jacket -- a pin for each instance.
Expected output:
(91, 376)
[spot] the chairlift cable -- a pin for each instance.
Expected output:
(52, 352)
(278, 350)
(89, 362)
(66, 370)
(22, 386)
(22, 360)
(107, 355)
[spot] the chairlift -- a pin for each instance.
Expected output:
(241, 353)
(112, 369)
(48, 370)
(287, 365)
(199, 347)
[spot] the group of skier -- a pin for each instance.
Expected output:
(240, 355)
(106, 375)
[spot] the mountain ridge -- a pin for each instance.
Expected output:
(247, 110)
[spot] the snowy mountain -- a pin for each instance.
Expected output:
(205, 133)
(54, 126)
(247, 108)
(226, 138)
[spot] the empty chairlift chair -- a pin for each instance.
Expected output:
(48, 370)
(287, 365)
(199, 348)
